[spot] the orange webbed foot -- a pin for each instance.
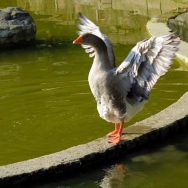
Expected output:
(112, 134)
(115, 132)
(115, 136)
(115, 140)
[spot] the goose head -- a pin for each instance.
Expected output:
(86, 39)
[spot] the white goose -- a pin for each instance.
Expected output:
(121, 92)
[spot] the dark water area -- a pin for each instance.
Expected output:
(162, 164)
(46, 104)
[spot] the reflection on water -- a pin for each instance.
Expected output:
(113, 176)
(123, 21)
(163, 167)
(149, 8)
(46, 103)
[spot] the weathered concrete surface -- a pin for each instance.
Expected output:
(17, 28)
(98, 151)
(180, 25)
(157, 29)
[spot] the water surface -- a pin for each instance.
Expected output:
(46, 104)
(161, 165)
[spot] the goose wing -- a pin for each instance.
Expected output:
(87, 26)
(146, 62)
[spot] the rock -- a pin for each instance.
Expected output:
(17, 28)
(180, 24)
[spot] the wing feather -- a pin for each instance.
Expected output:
(87, 26)
(147, 61)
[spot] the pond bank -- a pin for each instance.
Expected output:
(83, 157)
(155, 28)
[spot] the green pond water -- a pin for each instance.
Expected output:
(46, 104)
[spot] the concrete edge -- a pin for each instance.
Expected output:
(81, 157)
(155, 28)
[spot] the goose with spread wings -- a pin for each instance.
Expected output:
(121, 92)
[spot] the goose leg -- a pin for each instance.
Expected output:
(114, 133)
(117, 137)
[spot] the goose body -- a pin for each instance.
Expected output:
(121, 92)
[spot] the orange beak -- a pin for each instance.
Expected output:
(79, 40)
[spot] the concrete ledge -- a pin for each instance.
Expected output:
(82, 157)
(88, 155)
